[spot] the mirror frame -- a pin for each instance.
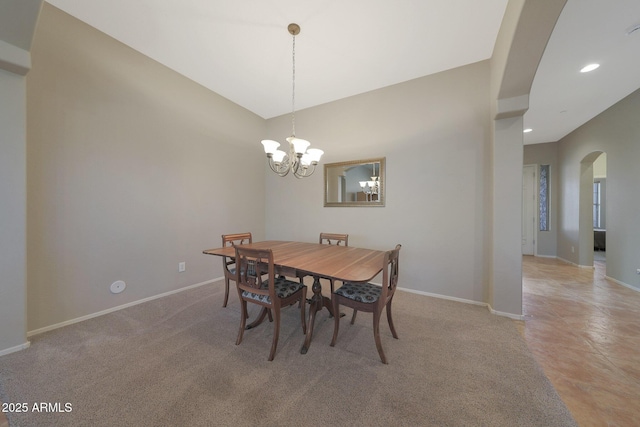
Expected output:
(382, 179)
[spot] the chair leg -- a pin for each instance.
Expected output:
(331, 282)
(336, 319)
(243, 320)
(276, 333)
(301, 279)
(353, 318)
(376, 335)
(390, 320)
(226, 291)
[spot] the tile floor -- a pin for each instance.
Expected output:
(584, 331)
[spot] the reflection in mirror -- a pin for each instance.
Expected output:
(355, 183)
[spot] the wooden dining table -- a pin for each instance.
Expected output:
(332, 262)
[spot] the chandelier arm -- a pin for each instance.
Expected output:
(296, 166)
(279, 170)
(284, 173)
(294, 159)
(306, 171)
(299, 172)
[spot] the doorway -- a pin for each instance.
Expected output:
(600, 208)
(592, 213)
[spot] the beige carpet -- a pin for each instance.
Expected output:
(174, 362)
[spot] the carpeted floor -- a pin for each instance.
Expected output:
(173, 361)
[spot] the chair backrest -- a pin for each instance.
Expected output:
(334, 239)
(232, 240)
(236, 239)
(390, 274)
(251, 265)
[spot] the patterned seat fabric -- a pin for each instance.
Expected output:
(361, 292)
(252, 270)
(283, 288)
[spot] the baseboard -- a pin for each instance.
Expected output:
(566, 261)
(626, 285)
(439, 296)
(120, 307)
(505, 314)
(133, 303)
(466, 301)
(546, 256)
(14, 349)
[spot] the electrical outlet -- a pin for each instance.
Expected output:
(182, 266)
(573, 249)
(638, 271)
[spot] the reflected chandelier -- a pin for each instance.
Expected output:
(300, 160)
(371, 187)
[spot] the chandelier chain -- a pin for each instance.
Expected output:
(300, 160)
(293, 88)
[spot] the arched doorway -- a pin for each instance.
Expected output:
(592, 206)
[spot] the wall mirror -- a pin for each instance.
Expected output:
(355, 183)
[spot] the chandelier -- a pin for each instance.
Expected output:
(301, 160)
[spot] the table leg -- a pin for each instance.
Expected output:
(317, 302)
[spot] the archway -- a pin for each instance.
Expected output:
(586, 210)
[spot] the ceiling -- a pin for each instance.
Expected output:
(588, 31)
(243, 51)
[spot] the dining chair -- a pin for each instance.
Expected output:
(370, 298)
(272, 293)
(229, 263)
(334, 239)
(331, 239)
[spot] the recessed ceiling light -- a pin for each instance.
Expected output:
(527, 130)
(589, 67)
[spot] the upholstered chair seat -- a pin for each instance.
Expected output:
(283, 288)
(362, 292)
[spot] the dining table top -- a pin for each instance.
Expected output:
(344, 263)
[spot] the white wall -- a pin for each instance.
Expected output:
(506, 267)
(547, 154)
(17, 23)
(132, 169)
(13, 197)
(434, 133)
(523, 36)
(616, 132)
